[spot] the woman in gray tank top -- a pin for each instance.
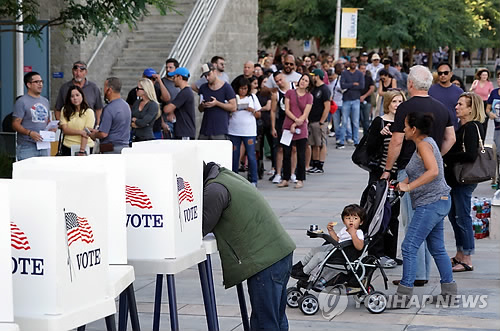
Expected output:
(431, 200)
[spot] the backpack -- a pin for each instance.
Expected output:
(367, 160)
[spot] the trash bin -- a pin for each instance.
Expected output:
(495, 216)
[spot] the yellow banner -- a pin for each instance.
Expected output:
(349, 28)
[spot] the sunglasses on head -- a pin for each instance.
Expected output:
(440, 73)
(79, 67)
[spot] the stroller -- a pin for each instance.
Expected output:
(358, 271)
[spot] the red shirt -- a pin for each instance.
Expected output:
(297, 111)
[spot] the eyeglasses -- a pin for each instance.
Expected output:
(79, 67)
(37, 81)
(440, 73)
(139, 88)
(289, 63)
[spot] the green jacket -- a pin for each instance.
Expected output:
(249, 235)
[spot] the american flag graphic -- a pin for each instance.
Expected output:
(18, 238)
(137, 198)
(184, 190)
(78, 228)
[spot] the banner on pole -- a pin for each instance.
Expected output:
(349, 29)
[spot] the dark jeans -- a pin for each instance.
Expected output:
(301, 159)
(485, 123)
(364, 115)
(267, 291)
(460, 218)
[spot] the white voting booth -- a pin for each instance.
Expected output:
(62, 209)
(6, 298)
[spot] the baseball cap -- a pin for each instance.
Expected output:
(386, 60)
(149, 72)
(364, 54)
(375, 57)
(318, 72)
(181, 71)
(206, 68)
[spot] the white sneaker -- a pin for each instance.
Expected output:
(331, 134)
(350, 141)
(271, 172)
(277, 179)
(293, 178)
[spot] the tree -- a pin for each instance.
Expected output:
(80, 18)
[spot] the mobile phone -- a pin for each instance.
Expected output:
(86, 130)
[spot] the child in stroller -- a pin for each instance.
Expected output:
(352, 217)
(349, 255)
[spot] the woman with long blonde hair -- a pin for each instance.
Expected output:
(145, 111)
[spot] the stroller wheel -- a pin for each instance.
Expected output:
(293, 296)
(360, 296)
(376, 302)
(309, 304)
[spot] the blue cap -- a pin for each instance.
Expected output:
(149, 72)
(181, 71)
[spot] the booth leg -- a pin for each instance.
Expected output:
(172, 303)
(132, 306)
(122, 312)
(208, 266)
(243, 307)
(81, 328)
(157, 307)
(207, 301)
(110, 323)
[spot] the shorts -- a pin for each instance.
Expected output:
(317, 134)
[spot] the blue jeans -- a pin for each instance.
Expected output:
(460, 218)
(427, 225)
(423, 255)
(249, 143)
(27, 150)
(267, 291)
(339, 129)
(350, 112)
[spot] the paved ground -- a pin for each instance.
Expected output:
(320, 201)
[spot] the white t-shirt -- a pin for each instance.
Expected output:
(293, 77)
(242, 123)
(344, 235)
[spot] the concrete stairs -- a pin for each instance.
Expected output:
(150, 43)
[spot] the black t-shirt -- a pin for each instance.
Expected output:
(321, 94)
(368, 84)
(442, 120)
(265, 116)
(184, 113)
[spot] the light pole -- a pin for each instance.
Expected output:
(336, 46)
(19, 53)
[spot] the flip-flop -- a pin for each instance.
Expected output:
(466, 267)
(454, 262)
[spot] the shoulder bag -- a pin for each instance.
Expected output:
(481, 170)
(364, 158)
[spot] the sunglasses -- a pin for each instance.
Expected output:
(440, 73)
(79, 67)
(289, 63)
(139, 88)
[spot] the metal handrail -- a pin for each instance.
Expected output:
(191, 32)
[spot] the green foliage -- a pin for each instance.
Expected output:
(81, 18)
(425, 24)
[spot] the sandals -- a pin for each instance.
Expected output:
(454, 261)
(465, 266)
(283, 183)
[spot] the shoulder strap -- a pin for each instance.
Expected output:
(481, 145)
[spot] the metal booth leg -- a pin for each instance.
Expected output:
(122, 312)
(207, 301)
(243, 307)
(172, 303)
(157, 307)
(110, 323)
(132, 306)
(208, 266)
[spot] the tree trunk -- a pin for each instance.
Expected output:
(410, 57)
(429, 60)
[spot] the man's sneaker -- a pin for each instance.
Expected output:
(340, 146)
(311, 170)
(350, 141)
(271, 172)
(387, 263)
(318, 171)
(331, 134)
(293, 178)
(277, 179)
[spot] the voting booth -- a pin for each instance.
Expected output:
(164, 203)
(60, 282)
(17, 240)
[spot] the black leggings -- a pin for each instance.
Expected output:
(300, 144)
(267, 134)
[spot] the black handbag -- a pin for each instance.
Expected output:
(481, 170)
(60, 144)
(362, 157)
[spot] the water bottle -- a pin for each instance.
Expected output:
(321, 283)
(390, 193)
(297, 131)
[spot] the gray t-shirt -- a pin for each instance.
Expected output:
(433, 191)
(34, 113)
(90, 90)
(185, 114)
(115, 121)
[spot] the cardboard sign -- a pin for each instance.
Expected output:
(164, 203)
(66, 226)
(6, 301)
